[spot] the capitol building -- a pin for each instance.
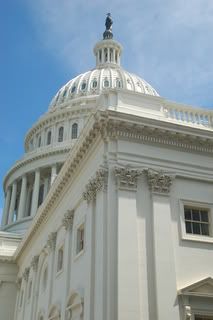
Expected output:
(109, 213)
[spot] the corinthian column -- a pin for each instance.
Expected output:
(12, 202)
(35, 193)
(22, 203)
(6, 206)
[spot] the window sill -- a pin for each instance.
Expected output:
(79, 254)
(197, 238)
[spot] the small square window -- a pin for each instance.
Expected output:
(80, 239)
(60, 259)
(197, 221)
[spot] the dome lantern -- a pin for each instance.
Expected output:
(108, 51)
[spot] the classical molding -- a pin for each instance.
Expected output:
(127, 177)
(51, 241)
(67, 220)
(159, 182)
(26, 273)
(96, 184)
(34, 262)
(145, 130)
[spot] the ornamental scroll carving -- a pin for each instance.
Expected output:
(159, 182)
(51, 241)
(26, 274)
(67, 220)
(34, 262)
(96, 184)
(126, 177)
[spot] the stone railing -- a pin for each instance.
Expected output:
(189, 116)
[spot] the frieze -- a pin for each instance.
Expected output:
(96, 184)
(67, 220)
(159, 182)
(127, 177)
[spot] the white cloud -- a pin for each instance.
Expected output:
(168, 42)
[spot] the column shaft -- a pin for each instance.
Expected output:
(22, 203)
(53, 173)
(35, 193)
(6, 206)
(12, 202)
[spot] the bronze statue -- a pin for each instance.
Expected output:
(108, 24)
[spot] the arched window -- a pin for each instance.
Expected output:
(74, 131)
(106, 83)
(60, 134)
(49, 136)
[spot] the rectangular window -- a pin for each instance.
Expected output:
(80, 239)
(60, 259)
(197, 221)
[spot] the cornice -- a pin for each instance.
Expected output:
(114, 125)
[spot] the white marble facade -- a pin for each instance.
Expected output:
(113, 201)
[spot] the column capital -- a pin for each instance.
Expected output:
(34, 262)
(26, 273)
(127, 177)
(96, 184)
(51, 241)
(187, 313)
(159, 182)
(18, 282)
(67, 220)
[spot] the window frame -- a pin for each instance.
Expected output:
(79, 251)
(200, 205)
(58, 271)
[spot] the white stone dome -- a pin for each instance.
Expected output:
(108, 74)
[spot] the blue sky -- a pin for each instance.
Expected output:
(44, 43)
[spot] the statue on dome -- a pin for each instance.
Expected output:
(108, 24)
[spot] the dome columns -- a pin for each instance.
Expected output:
(22, 202)
(35, 193)
(107, 52)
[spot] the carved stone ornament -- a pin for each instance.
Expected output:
(51, 241)
(26, 274)
(18, 283)
(187, 313)
(126, 177)
(159, 182)
(67, 220)
(34, 262)
(95, 185)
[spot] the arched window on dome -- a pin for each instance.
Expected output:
(118, 83)
(60, 134)
(106, 83)
(94, 84)
(49, 136)
(100, 56)
(74, 131)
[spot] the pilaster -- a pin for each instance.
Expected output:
(164, 264)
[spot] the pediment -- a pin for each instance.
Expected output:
(202, 288)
